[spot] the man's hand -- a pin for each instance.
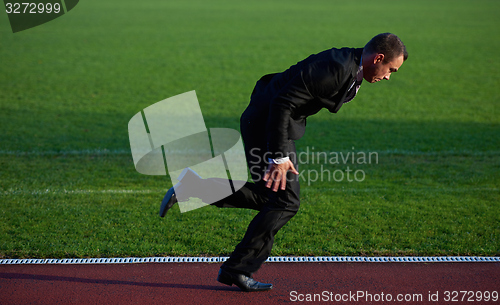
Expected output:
(276, 175)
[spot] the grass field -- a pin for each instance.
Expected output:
(68, 186)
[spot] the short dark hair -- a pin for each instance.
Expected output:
(388, 44)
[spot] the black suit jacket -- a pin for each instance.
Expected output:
(281, 102)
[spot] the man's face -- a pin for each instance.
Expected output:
(375, 69)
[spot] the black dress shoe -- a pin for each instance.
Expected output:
(168, 201)
(189, 182)
(244, 282)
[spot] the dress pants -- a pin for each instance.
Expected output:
(275, 208)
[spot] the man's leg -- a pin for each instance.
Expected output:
(257, 243)
(247, 197)
(250, 196)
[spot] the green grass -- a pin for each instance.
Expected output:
(405, 206)
(68, 88)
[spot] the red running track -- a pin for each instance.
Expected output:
(195, 283)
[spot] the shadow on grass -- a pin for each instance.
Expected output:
(88, 130)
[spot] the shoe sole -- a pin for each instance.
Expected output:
(228, 281)
(166, 203)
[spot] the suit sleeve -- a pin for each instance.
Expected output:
(291, 96)
(324, 79)
(319, 80)
(329, 84)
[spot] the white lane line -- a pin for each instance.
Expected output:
(273, 259)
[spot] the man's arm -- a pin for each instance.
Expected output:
(290, 97)
(317, 80)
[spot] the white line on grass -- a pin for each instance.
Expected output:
(306, 190)
(127, 152)
(67, 152)
(64, 191)
(413, 189)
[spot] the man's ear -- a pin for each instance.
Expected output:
(378, 58)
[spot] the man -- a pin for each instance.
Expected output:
(274, 119)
